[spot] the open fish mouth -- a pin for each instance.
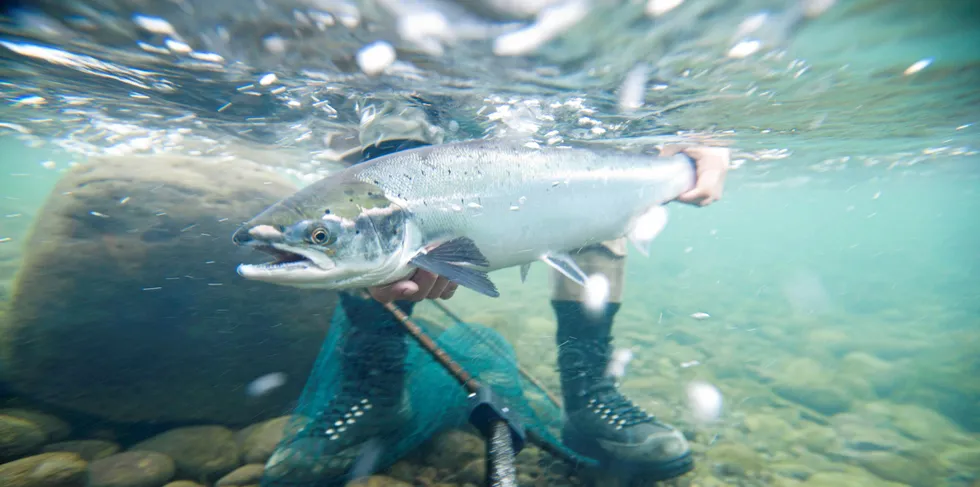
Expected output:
(294, 267)
(266, 239)
(281, 259)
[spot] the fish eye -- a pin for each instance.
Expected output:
(320, 236)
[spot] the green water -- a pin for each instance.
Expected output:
(839, 271)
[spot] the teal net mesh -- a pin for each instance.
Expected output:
(375, 395)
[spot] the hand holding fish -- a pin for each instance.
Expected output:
(712, 166)
(422, 285)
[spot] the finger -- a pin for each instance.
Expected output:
(425, 281)
(711, 183)
(438, 288)
(391, 292)
(672, 149)
(693, 197)
(450, 291)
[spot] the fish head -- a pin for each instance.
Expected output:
(338, 233)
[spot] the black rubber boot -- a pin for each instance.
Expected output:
(369, 404)
(601, 422)
(371, 399)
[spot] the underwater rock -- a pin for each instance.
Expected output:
(131, 469)
(403, 470)
(200, 452)
(920, 423)
(258, 441)
(734, 460)
(378, 481)
(89, 450)
(54, 428)
(836, 341)
(962, 460)
(816, 438)
(245, 475)
(824, 399)
(182, 483)
(846, 479)
(880, 374)
(803, 381)
(793, 471)
(127, 306)
(474, 472)
(768, 429)
(918, 469)
(453, 449)
(862, 433)
(682, 337)
(19, 437)
(45, 470)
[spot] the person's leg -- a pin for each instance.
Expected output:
(601, 422)
(371, 402)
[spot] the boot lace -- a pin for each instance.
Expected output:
(614, 407)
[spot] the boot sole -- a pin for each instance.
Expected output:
(648, 471)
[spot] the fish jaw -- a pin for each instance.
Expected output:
(293, 267)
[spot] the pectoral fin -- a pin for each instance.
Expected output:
(646, 227)
(564, 264)
(445, 260)
(524, 270)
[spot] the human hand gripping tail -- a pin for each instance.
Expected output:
(711, 165)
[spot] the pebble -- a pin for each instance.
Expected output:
(700, 315)
(454, 448)
(258, 441)
(19, 437)
(45, 470)
(250, 474)
(378, 481)
(89, 450)
(54, 428)
(200, 452)
(132, 469)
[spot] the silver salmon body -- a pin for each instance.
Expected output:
(461, 210)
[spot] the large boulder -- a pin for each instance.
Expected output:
(128, 307)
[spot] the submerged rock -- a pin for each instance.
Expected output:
(45, 470)
(89, 450)
(806, 382)
(257, 442)
(454, 449)
(918, 469)
(882, 375)
(131, 469)
(19, 437)
(378, 481)
(734, 460)
(245, 475)
(127, 306)
(182, 483)
(847, 479)
(965, 460)
(200, 452)
(55, 429)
